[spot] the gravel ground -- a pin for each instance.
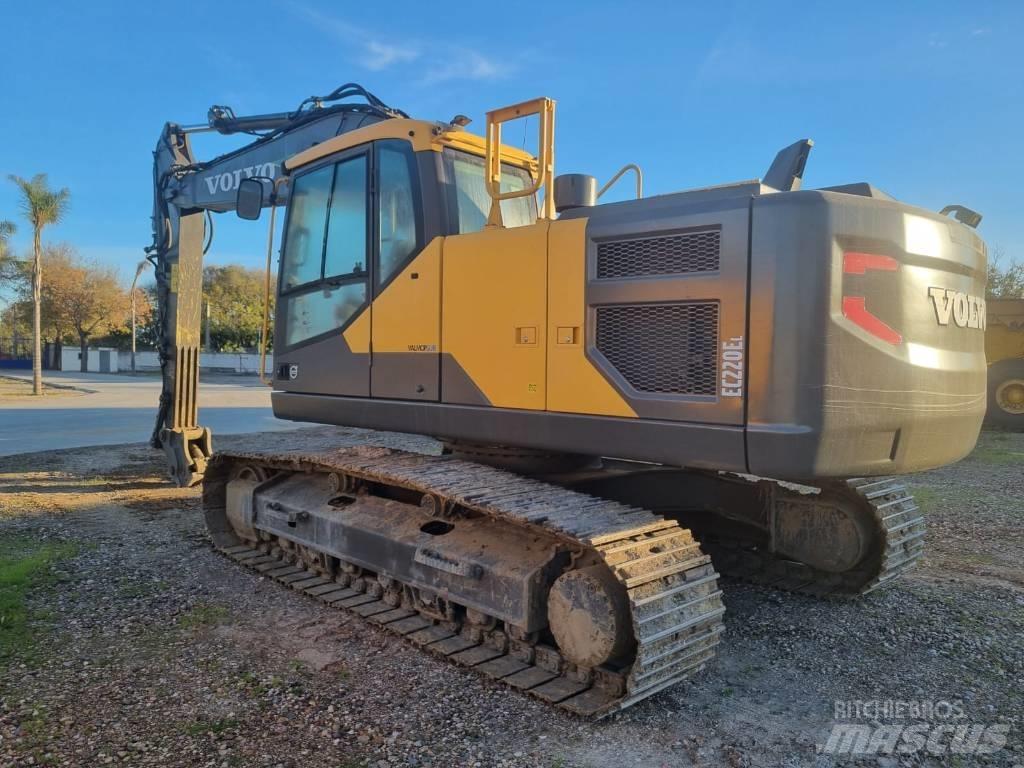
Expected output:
(148, 648)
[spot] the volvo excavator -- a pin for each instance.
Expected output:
(633, 397)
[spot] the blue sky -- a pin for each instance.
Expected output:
(925, 100)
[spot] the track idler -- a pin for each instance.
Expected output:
(588, 612)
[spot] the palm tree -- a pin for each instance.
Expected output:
(42, 206)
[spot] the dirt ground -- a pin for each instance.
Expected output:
(134, 643)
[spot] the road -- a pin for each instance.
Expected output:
(120, 409)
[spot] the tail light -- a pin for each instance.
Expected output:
(855, 307)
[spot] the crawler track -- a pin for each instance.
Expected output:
(674, 601)
(899, 543)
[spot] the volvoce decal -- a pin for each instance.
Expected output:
(963, 309)
(229, 180)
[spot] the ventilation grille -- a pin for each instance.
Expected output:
(669, 255)
(664, 348)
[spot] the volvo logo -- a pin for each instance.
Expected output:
(965, 310)
(228, 181)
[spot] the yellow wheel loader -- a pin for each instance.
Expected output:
(1004, 348)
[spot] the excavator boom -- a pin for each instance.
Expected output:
(186, 190)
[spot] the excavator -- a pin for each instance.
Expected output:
(631, 397)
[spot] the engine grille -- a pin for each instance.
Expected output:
(663, 348)
(666, 255)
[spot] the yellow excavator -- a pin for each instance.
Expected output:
(632, 397)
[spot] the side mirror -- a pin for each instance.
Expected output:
(249, 203)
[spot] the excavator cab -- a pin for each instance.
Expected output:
(362, 208)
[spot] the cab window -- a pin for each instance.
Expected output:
(470, 200)
(346, 224)
(307, 224)
(323, 272)
(317, 312)
(396, 234)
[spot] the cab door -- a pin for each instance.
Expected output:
(323, 303)
(406, 327)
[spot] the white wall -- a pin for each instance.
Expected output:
(71, 359)
(218, 361)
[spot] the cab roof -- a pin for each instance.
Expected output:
(422, 134)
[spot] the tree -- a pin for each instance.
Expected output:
(149, 324)
(58, 260)
(60, 263)
(7, 228)
(94, 303)
(15, 325)
(234, 295)
(120, 335)
(80, 301)
(1004, 282)
(42, 207)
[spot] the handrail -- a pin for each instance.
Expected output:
(545, 109)
(628, 167)
(265, 330)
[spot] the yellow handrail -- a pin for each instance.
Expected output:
(544, 108)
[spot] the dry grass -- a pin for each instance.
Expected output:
(16, 388)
